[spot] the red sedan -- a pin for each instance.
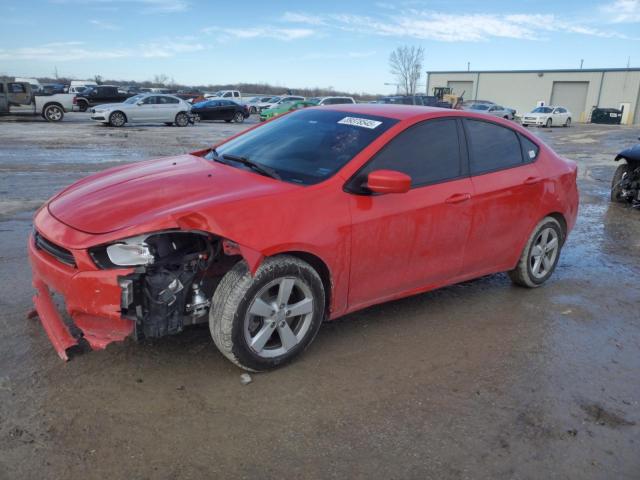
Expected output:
(303, 219)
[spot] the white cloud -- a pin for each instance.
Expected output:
(148, 6)
(623, 11)
(336, 56)
(104, 25)
(285, 34)
(445, 27)
(294, 17)
(76, 50)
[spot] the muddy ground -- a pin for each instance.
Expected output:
(478, 380)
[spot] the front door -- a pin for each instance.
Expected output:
(507, 190)
(405, 242)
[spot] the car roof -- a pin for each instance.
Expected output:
(398, 112)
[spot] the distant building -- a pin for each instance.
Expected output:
(578, 90)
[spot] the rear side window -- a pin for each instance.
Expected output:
(16, 88)
(428, 152)
(529, 149)
(165, 100)
(492, 147)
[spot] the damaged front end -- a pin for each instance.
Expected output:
(625, 186)
(175, 274)
(146, 286)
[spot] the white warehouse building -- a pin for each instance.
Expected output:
(578, 90)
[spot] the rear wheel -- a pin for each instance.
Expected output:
(53, 113)
(238, 117)
(264, 320)
(540, 255)
(182, 119)
(117, 119)
(83, 106)
(622, 172)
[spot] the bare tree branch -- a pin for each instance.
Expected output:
(405, 63)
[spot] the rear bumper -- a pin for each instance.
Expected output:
(92, 299)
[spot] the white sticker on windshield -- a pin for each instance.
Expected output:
(532, 154)
(360, 122)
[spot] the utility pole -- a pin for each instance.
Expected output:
(629, 62)
(581, 63)
(468, 66)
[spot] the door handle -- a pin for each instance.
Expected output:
(458, 198)
(532, 180)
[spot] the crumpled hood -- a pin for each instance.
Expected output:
(147, 191)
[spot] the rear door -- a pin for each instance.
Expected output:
(167, 108)
(411, 240)
(19, 93)
(507, 190)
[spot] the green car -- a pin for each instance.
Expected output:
(270, 113)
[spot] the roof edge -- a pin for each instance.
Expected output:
(542, 70)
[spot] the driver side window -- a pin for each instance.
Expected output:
(428, 152)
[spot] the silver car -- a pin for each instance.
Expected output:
(144, 108)
(491, 109)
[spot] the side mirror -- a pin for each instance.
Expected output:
(140, 103)
(388, 181)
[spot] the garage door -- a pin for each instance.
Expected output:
(460, 87)
(573, 96)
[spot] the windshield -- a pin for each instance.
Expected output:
(307, 146)
(478, 106)
(134, 99)
(541, 110)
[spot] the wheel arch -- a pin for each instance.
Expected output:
(319, 266)
(559, 217)
(48, 104)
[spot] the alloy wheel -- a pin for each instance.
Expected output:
(279, 317)
(53, 113)
(544, 252)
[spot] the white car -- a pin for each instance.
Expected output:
(547, 117)
(144, 108)
(257, 104)
(332, 100)
(282, 99)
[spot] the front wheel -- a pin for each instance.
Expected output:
(263, 321)
(238, 117)
(549, 123)
(83, 106)
(53, 113)
(567, 123)
(540, 255)
(623, 171)
(117, 119)
(182, 119)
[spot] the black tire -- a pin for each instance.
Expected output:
(182, 119)
(523, 274)
(624, 169)
(83, 106)
(117, 119)
(549, 123)
(236, 293)
(53, 113)
(238, 117)
(253, 111)
(168, 124)
(567, 123)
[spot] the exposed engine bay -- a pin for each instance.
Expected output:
(175, 287)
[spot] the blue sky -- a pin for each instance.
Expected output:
(340, 44)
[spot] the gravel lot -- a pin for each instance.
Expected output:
(478, 380)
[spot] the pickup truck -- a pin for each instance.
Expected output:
(99, 95)
(51, 107)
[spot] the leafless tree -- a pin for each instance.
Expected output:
(160, 79)
(405, 63)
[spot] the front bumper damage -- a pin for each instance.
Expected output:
(106, 303)
(92, 300)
